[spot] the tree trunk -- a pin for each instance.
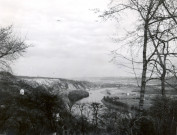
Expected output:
(163, 83)
(143, 87)
(143, 79)
(163, 76)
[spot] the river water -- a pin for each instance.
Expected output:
(97, 95)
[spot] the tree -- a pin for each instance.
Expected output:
(11, 47)
(163, 67)
(162, 35)
(95, 107)
(144, 37)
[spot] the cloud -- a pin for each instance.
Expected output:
(75, 46)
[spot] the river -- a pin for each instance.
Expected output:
(96, 95)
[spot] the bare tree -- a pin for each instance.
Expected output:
(163, 37)
(146, 11)
(95, 107)
(81, 107)
(163, 67)
(11, 47)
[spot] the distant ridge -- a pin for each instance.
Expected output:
(43, 77)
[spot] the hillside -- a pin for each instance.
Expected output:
(57, 84)
(9, 82)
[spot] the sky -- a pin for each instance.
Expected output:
(68, 39)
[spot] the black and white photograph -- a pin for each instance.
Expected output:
(88, 67)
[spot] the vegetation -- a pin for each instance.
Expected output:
(11, 47)
(164, 114)
(35, 113)
(39, 111)
(76, 95)
(115, 101)
(30, 113)
(159, 119)
(151, 42)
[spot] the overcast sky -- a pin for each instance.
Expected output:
(68, 38)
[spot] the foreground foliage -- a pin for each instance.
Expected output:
(39, 111)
